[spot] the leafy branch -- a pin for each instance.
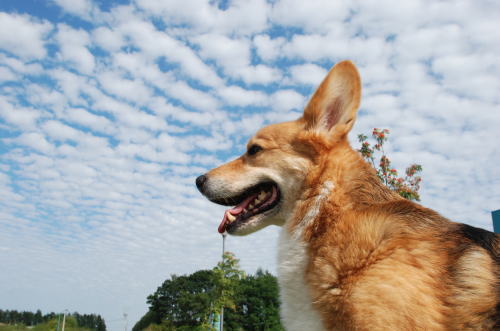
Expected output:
(406, 186)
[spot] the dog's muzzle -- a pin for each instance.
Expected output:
(200, 183)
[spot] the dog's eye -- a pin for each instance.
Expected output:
(254, 149)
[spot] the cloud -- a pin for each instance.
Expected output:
(234, 57)
(108, 39)
(20, 117)
(284, 100)
(241, 17)
(73, 45)
(110, 111)
(35, 141)
(307, 74)
(91, 121)
(76, 7)
(158, 44)
(238, 96)
(314, 16)
(28, 41)
(6, 75)
(268, 49)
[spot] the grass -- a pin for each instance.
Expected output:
(47, 326)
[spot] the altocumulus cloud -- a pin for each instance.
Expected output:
(109, 110)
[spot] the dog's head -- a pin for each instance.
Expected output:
(264, 184)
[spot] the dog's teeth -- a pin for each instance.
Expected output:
(262, 195)
(230, 217)
(250, 206)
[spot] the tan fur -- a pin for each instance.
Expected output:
(374, 260)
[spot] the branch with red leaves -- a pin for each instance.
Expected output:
(406, 186)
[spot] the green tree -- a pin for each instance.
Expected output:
(193, 302)
(407, 186)
(184, 301)
(151, 317)
(257, 304)
(227, 275)
(38, 317)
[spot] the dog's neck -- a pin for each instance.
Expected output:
(335, 187)
(359, 184)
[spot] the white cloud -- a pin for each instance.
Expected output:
(241, 17)
(59, 131)
(73, 45)
(21, 117)
(35, 141)
(260, 74)
(238, 96)
(128, 89)
(102, 142)
(92, 121)
(233, 55)
(108, 39)
(82, 8)
(307, 74)
(158, 44)
(21, 66)
(318, 15)
(28, 40)
(6, 75)
(268, 49)
(285, 100)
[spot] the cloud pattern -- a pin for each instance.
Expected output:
(109, 111)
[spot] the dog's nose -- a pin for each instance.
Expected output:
(200, 181)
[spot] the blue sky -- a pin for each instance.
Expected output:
(110, 109)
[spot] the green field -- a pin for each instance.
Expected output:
(51, 325)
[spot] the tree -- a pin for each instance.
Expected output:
(227, 275)
(257, 304)
(407, 186)
(193, 302)
(184, 301)
(41, 322)
(38, 317)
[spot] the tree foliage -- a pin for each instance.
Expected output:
(407, 186)
(183, 301)
(88, 321)
(227, 275)
(256, 304)
(193, 302)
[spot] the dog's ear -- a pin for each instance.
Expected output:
(334, 105)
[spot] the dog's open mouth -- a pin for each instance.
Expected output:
(255, 200)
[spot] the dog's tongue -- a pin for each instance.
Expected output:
(235, 211)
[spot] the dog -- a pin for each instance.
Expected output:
(353, 254)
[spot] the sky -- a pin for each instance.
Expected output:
(109, 110)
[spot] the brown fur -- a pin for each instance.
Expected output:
(375, 260)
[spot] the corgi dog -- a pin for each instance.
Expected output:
(353, 255)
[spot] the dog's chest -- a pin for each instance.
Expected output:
(297, 311)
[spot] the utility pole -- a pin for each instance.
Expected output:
(221, 324)
(58, 321)
(126, 320)
(64, 319)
